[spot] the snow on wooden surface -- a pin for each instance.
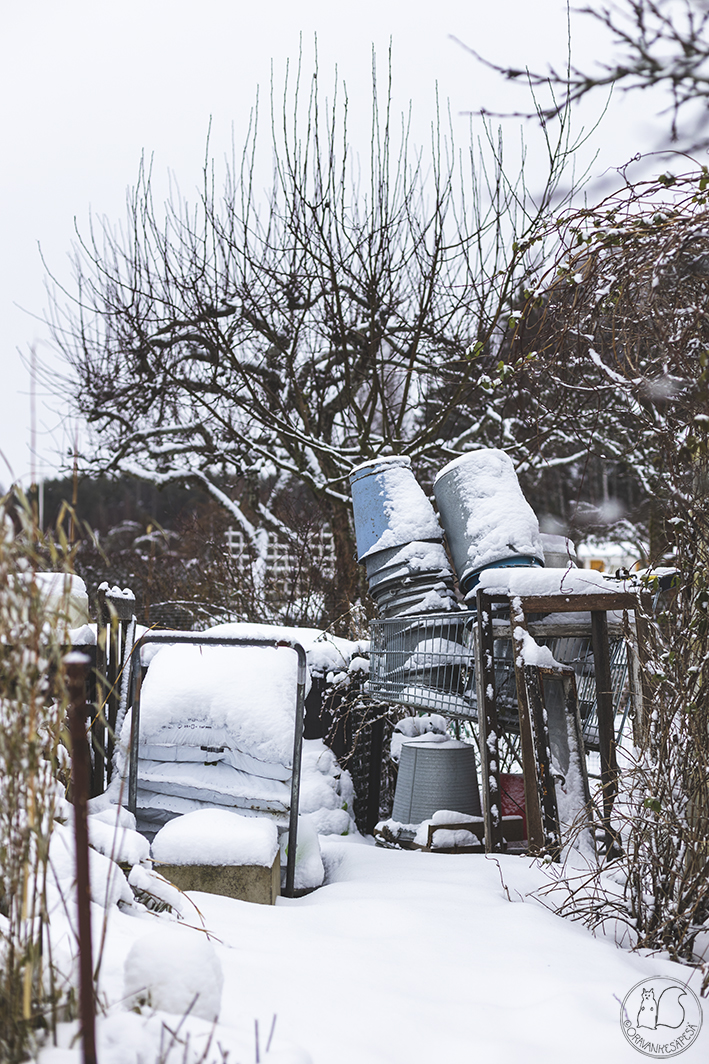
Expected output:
(520, 582)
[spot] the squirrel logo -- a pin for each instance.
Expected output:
(667, 1011)
(660, 1018)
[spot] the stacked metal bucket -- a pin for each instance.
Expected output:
(488, 523)
(400, 540)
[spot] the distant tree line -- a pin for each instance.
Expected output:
(170, 547)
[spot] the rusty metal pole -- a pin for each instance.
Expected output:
(76, 666)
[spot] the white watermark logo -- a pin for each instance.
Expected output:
(661, 1017)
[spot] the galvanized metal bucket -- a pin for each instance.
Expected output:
(400, 540)
(487, 519)
(435, 776)
(390, 506)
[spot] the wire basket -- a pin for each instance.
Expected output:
(428, 663)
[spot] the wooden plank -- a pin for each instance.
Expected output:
(544, 630)
(606, 726)
(635, 681)
(647, 683)
(488, 725)
(561, 603)
(535, 829)
(545, 781)
(98, 726)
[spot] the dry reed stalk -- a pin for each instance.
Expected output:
(32, 705)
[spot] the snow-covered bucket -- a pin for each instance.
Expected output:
(390, 507)
(487, 519)
(399, 539)
(435, 772)
(559, 552)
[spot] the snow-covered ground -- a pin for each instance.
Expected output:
(400, 958)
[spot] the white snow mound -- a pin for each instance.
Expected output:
(174, 970)
(217, 837)
(245, 696)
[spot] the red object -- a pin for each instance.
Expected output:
(512, 796)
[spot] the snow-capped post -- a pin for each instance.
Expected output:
(606, 729)
(76, 666)
(297, 758)
(115, 635)
(489, 725)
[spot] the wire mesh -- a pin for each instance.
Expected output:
(428, 663)
(425, 662)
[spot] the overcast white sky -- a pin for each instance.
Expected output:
(87, 85)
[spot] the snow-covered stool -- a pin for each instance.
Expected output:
(221, 852)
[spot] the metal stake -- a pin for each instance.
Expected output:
(76, 668)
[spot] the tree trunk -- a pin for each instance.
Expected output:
(349, 584)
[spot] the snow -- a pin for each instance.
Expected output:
(83, 636)
(214, 784)
(446, 838)
(432, 602)
(326, 791)
(216, 837)
(309, 867)
(243, 696)
(166, 752)
(532, 653)
(436, 652)
(520, 582)
(116, 592)
(498, 521)
(108, 884)
(400, 958)
(174, 972)
(432, 698)
(420, 556)
(122, 844)
(65, 595)
(217, 729)
(324, 652)
(146, 880)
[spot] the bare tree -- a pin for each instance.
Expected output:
(661, 43)
(266, 344)
(622, 342)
